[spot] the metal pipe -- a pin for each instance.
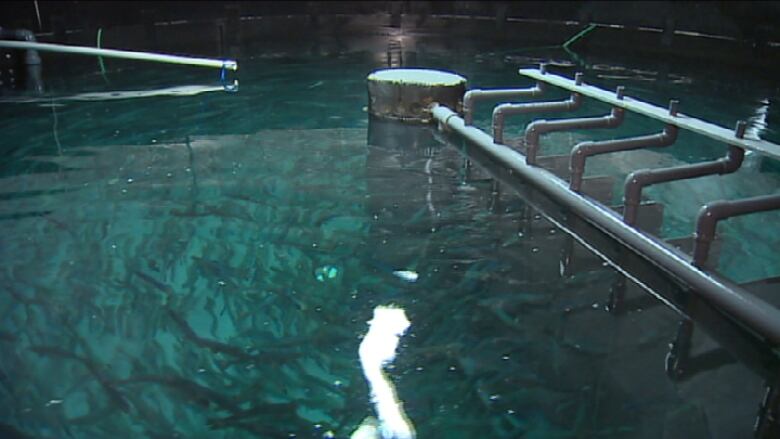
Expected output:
(761, 317)
(501, 111)
(638, 180)
(538, 127)
(126, 54)
(583, 150)
(31, 56)
(711, 213)
(682, 121)
(473, 96)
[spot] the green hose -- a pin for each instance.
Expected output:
(100, 58)
(574, 39)
(579, 35)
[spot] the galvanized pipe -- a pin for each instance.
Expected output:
(638, 180)
(583, 150)
(711, 213)
(473, 96)
(758, 315)
(538, 127)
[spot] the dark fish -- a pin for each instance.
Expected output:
(212, 345)
(191, 390)
(7, 337)
(113, 394)
(164, 288)
(216, 270)
(10, 432)
(259, 409)
(225, 348)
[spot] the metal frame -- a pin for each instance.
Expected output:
(709, 294)
(760, 316)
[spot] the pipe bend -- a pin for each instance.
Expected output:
(579, 153)
(732, 161)
(500, 110)
(468, 104)
(708, 217)
(498, 123)
(25, 35)
(634, 184)
(669, 135)
(575, 101)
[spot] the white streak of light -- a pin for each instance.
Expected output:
(377, 350)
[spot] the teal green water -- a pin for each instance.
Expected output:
(204, 266)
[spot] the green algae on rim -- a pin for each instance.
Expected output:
(418, 77)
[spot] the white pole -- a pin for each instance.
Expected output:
(126, 54)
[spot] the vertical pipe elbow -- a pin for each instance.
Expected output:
(706, 224)
(468, 106)
(574, 102)
(31, 56)
(577, 165)
(498, 124)
(538, 89)
(668, 135)
(732, 161)
(616, 117)
(632, 194)
(531, 138)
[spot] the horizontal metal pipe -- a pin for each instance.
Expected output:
(583, 150)
(502, 111)
(758, 315)
(473, 96)
(638, 180)
(31, 56)
(711, 213)
(538, 127)
(125, 54)
(683, 121)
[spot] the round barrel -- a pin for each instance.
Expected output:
(406, 94)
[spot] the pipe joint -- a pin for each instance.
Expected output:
(473, 96)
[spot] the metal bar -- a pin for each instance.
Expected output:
(735, 336)
(679, 350)
(759, 316)
(126, 54)
(711, 213)
(538, 127)
(767, 423)
(638, 180)
(473, 96)
(683, 121)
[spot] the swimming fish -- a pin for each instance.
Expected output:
(407, 275)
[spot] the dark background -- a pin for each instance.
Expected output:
(748, 21)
